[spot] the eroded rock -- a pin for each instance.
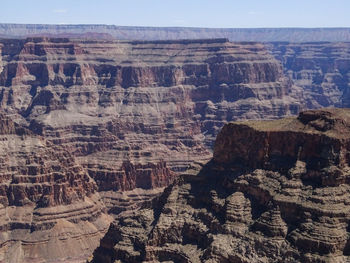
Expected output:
(247, 206)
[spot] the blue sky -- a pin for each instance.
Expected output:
(190, 13)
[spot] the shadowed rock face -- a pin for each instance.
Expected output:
(247, 204)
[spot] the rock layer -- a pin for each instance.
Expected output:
(104, 119)
(49, 204)
(108, 117)
(246, 205)
(320, 68)
(114, 101)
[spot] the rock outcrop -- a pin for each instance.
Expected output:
(91, 127)
(275, 191)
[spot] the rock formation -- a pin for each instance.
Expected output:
(108, 102)
(91, 127)
(275, 191)
(114, 114)
(321, 69)
(50, 209)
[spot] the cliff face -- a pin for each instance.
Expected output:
(49, 205)
(27, 164)
(108, 102)
(275, 191)
(320, 68)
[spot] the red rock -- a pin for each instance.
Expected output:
(47, 200)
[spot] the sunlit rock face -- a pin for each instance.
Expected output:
(115, 101)
(49, 203)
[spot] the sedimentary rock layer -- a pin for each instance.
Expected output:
(106, 116)
(321, 69)
(91, 120)
(112, 101)
(275, 191)
(50, 209)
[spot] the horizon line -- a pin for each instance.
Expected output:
(188, 27)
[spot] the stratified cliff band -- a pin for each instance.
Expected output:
(108, 102)
(50, 209)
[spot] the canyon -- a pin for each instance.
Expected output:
(93, 131)
(109, 101)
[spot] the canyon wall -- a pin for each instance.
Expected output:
(50, 208)
(108, 102)
(275, 191)
(320, 68)
(122, 118)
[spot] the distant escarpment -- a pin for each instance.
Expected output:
(321, 69)
(112, 101)
(173, 33)
(275, 191)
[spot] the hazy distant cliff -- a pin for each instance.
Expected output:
(321, 69)
(141, 101)
(156, 33)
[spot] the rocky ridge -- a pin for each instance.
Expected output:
(275, 191)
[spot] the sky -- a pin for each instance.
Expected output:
(180, 13)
